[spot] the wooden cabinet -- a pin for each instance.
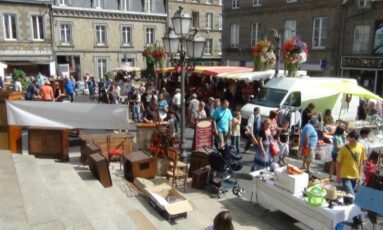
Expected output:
(48, 142)
(10, 136)
(199, 159)
(98, 166)
(139, 164)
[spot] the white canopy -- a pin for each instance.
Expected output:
(127, 69)
(3, 65)
(256, 75)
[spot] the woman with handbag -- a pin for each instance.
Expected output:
(263, 156)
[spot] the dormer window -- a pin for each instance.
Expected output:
(148, 6)
(364, 3)
(98, 4)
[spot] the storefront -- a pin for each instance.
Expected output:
(368, 71)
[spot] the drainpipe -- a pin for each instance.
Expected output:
(52, 34)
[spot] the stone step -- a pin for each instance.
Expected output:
(68, 210)
(37, 199)
(12, 213)
(101, 210)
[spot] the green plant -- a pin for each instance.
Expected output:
(19, 75)
(110, 75)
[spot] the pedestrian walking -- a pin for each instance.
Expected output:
(222, 120)
(236, 134)
(308, 143)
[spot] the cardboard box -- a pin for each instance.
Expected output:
(168, 202)
(143, 184)
(292, 183)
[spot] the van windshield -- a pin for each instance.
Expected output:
(270, 97)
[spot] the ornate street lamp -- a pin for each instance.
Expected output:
(174, 42)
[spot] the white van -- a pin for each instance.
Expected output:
(299, 92)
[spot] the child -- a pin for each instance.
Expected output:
(236, 132)
(283, 141)
(371, 167)
(338, 141)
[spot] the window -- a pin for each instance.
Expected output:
(63, 2)
(219, 46)
(319, 33)
(220, 2)
(65, 34)
(257, 2)
(125, 4)
(101, 67)
(125, 61)
(209, 20)
(98, 4)
(290, 29)
(290, 1)
(220, 22)
(234, 4)
(148, 6)
(234, 35)
(10, 28)
(209, 1)
(255, 35)
(126, 36)
(209, 46)
(149, 35)
(37, 28)
(196, 1)
(361, 39)
(195, 19)
(364, 3)
(100, 35)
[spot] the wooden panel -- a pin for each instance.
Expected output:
(199, 159)
(4, 137)
(98, 165)
(45, 142)
(3, 113)
(15, 139)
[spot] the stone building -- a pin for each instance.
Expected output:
(25, 36)
(247, 21)
(207, 17)
(96, 36)
(362, 43)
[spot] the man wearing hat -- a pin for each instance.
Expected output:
(46, 92)
(209, 107)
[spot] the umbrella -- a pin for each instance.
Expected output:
(216, 70)
(348, 86)
(127, 69)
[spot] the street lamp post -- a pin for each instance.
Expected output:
(277, 37)
(174, 43)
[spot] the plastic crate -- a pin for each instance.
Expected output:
(323, 151)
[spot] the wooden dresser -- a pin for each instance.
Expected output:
(10, 136)
(48, 142)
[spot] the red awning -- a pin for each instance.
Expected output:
(215, 70)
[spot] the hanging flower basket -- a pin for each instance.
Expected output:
(264, 57)
(294, 52)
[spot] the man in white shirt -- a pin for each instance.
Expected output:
(254, 123)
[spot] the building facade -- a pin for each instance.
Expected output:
(25, 36)
(96, 36)
(362, 43)
(207, 18)
(248, 21)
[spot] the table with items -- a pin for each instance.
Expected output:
(281, 192)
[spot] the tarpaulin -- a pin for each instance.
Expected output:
(67, 115)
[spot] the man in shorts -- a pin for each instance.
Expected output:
(308, 143)
(222, 118)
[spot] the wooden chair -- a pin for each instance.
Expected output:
(177, 170)
(117, 151)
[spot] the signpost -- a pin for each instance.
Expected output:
(203, 133)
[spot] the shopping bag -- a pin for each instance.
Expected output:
(274, 149)
(370, 199)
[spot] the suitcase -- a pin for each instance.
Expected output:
(200, 177)
(98, 165)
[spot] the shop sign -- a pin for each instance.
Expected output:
(362, 62)
(378, 39)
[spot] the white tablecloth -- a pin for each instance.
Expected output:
(296, 206)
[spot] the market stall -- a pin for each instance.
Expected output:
(295, 205)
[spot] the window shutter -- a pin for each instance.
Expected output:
(103, 4)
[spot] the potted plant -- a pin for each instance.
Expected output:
(294, 52)
(264, 57)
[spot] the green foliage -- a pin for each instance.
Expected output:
(19, 75)
(110, 75)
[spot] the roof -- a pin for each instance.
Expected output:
(28, 1)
